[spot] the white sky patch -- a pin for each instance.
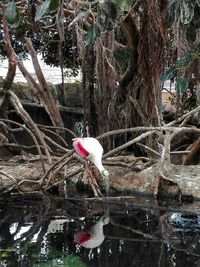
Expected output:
(23, 229)
(51, 74)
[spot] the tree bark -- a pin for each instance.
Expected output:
(88, 90)
(138, 97)
(43, 90)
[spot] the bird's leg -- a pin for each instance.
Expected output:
(92, 180)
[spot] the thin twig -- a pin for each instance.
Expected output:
(71, 174)
(9, 176)
(58, 136)
(41, 181)
(57, 128)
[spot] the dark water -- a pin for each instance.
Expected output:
(38, 230)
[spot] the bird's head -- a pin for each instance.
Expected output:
(104, 219)
(105, 173)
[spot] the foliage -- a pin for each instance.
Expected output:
(54, 257)
(132, 41)
(45, 39)
(47, 5)
(92, 34)
(50, 51)
(181, 85)
(123, 4)
(183, 22)
(187, 12)
(169, 74)
(68, 261)
(12, 14)
(17, 39)
(184, 60)
(182, 82)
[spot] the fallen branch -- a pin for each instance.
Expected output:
(133, 141)
(192, 112)
(9, 177)
(31, 134)
(148, 149)
(27, 119)
(68, 157)
(69, 175)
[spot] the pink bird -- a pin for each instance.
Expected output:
(89, 148)
(94, 236)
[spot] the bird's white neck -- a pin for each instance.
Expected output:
(99, 165)
(97, 228)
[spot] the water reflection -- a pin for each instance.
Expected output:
(94, 236)
(39, 230)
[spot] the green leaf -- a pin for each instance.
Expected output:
(54, 5)
(184, 60)
(92, 34)
(123, 4)
(42, 9)
(181, 85)
(168, 74)
(12, 14)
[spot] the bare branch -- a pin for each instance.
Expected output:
(27, 119)
(48, 99)
(11, 57)
(68, 157)
(9, 176)
(133, 141)
(31, 134)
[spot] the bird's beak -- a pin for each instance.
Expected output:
(105, 219)
(105, 175)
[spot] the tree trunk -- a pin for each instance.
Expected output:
(98, 83)
(138, 101)
(105, 83)
(88, 90)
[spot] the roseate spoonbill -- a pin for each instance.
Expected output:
(94, 236)
(90, 149)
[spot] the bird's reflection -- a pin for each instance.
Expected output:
(94, 236)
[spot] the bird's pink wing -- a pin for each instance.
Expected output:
(81, 237)
(79, 148)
